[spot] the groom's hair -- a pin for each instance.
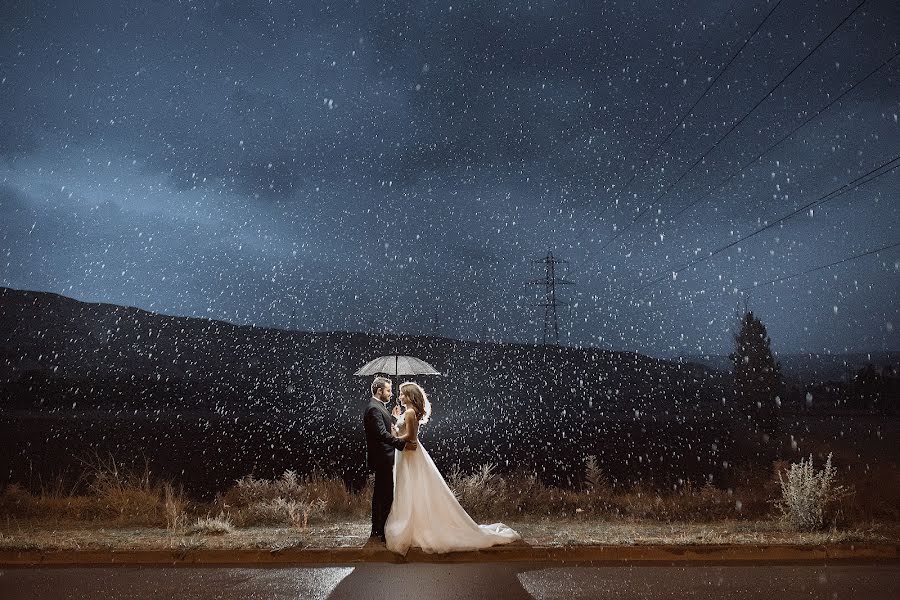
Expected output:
(379, 383)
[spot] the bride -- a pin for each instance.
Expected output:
(425, 513)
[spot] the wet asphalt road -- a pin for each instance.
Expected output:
(440, 582)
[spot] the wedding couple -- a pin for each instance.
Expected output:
(412, 504)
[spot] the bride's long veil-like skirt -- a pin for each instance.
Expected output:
(426, 514)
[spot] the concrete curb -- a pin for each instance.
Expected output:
(613, 555)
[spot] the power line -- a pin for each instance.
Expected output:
(659, 115)
(690, 110)
(694, 105)
(725, 181)
(852, 185)
(855, 184)
(758, 285)
(813, 270)
(733, 127)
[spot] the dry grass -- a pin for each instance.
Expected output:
(354, 533)
(175, 507)
(581, 532)
(106, 492)
(486, 495)
(118, 510)
(109, 496)
(870, 495)
(292, 500)
(211, 526)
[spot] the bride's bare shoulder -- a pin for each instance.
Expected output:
(411, 418)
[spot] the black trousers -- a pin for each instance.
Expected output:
(382, 499)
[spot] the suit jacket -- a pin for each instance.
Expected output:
(380, 444)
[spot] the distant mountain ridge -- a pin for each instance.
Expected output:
(45, 331)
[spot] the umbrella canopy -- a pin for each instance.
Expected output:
(394, 364)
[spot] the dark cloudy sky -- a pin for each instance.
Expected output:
(375, 164)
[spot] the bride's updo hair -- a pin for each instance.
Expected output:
(418, 400)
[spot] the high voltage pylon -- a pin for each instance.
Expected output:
(550, 281)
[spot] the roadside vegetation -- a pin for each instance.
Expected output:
(795, 502)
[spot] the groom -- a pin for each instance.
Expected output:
(380, 447)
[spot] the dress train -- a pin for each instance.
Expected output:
(426, 514)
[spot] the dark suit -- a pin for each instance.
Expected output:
(380, 447)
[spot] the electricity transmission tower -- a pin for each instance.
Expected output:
(550, 281)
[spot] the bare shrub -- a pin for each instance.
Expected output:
(128, 494)
(334, 495)
(594, 477)
(807, 493)
(211, 526)
(479, 492)
(454, 479)
(597, 486)
(289, 500)
(526, 494)
(484, 494)
(295, 513)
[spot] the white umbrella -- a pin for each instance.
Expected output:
(394, 364)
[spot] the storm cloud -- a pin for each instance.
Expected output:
(384, 165)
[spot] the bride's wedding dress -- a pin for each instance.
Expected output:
(426, 514)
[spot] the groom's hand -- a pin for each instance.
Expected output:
(410, 446)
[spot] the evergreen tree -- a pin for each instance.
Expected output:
(757, 376)
(868, 387)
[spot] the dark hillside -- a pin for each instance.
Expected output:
(208, 401)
